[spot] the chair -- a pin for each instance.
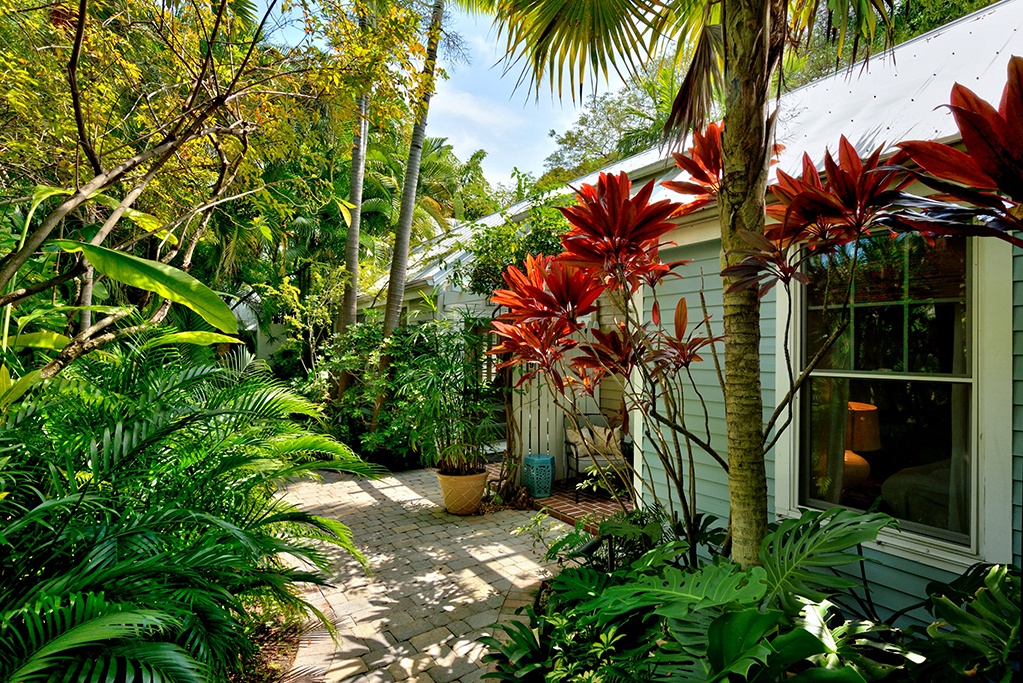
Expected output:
(593, 443)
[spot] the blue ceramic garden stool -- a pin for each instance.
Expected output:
(538, 474)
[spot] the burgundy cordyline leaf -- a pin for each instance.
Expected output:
(681, 318)
(988, 176)
(615, 237)
(610, 352)
(948, 163)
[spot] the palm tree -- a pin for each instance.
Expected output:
(141, 515)
(403, 231)
(733, 48)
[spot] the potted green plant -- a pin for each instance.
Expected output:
(453, 408)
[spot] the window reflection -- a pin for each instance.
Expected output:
(886, 414)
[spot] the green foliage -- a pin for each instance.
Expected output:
(820, 54)
(492, 248)
(795, 552)
(614, 125)
(450, 405)
(153, 276)
(655, 618)
(440, 409)
(140, 518)
(978, 630)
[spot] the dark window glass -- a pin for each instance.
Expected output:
(872, 439)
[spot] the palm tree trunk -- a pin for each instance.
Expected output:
(403, 232)
(349, 307)
(349, 304)
(745, 153)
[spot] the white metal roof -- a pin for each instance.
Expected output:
(898, 95)
(893, 97)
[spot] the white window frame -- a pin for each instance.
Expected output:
(991, 422)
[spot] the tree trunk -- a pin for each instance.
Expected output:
(349, 304)
(349, 308)
(745, 154)
(403, 232)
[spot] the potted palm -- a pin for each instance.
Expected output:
(453, 407)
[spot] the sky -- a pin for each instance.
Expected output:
(478, 107)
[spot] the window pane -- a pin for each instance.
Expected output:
(902, 445)
(828, 276)
(937, 338)
(820, 325)
(879, 338)
(880, 271)
(908, 311)
(937, 270)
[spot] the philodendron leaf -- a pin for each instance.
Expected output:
(41, 340)
(146, 221)
(167, 281)
(736, 641)
(197, 338)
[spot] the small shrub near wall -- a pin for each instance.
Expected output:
(433, 361)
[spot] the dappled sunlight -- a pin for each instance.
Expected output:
(434, 582)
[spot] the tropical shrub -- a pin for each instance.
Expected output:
(976, 635)
(141, 519)
(657, 618)
(799, 616)
(439, 405)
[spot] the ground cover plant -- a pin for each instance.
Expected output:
(140, 519)
(628, 606)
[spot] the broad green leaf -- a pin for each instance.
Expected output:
(676, 593)
(5, 379)
(197, 338)
(146, 221)
(19, 388)
(797, 547)
(42, 193)
(167, 281)
(260, 224)
(24, 320)
(736, 641)
(844, 675)
(41, 340)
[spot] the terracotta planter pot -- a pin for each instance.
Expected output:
(462, 493)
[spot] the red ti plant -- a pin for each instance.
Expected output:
(545, 305)
(987, 177)
(613, 249)
(816, 215)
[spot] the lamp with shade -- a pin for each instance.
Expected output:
(862, 434)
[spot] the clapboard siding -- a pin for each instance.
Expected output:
(611, 390)
(1017, 404)
(712, 484)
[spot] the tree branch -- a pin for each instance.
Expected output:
(25, 292)
(76, 97)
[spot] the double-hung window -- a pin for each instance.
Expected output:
(887, 412)
(906, 412)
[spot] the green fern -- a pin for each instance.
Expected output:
(148, 479)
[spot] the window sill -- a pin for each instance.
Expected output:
(930, 552)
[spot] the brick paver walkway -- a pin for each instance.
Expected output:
(437, 583)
